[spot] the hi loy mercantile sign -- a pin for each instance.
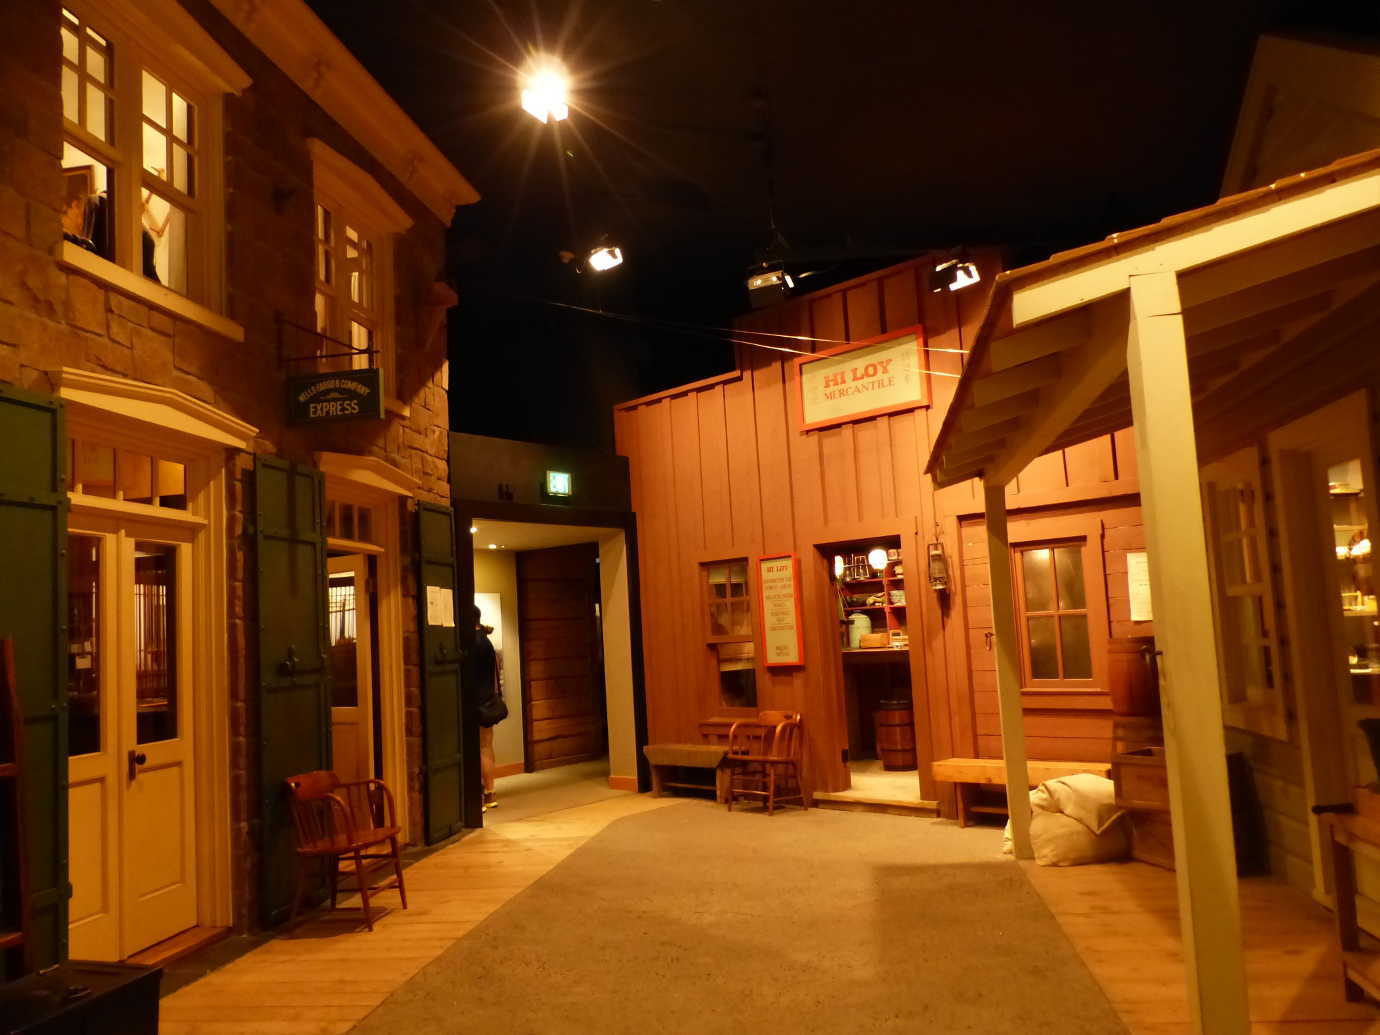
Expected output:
(864, 379)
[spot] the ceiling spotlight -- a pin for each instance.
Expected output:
(768, 283)
(473, 529)
(545, 90)
(954, 274)
(493, 546)
(605, 257)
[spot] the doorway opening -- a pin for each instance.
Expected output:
(352, 628)
(868, 583)
(556, 598)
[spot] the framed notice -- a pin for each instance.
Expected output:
(868, 378)
(778, 582)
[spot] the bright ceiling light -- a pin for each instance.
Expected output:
(473, 529)
(605, 257)
(954, 274)
(545, 91)
(493, 546)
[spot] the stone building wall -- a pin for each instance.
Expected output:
(53, 317)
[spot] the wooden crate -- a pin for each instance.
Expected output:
(1142, 780)
(1152, 839)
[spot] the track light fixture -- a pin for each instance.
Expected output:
(954, 275)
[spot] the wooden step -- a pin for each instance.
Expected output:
(848, 802)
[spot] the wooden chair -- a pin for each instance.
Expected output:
(334, 820)
(764, 760)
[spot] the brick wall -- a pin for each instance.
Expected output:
(51, 317)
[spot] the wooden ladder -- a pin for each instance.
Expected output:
(14, 863)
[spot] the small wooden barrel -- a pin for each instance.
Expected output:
(1132, 676)
(895, 735)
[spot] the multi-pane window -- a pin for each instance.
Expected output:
(1051, 591)
(1243, 593)
(728, 617)
(132, 160)
(124, 474)
(352, 521)
(348, 313)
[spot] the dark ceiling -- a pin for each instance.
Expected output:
(891, 127)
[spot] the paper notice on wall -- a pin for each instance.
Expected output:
(440, 607)
(1138, 581)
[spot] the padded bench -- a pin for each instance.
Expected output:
(968, 774)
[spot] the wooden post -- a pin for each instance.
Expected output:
(1200, 806)
(1008, 669)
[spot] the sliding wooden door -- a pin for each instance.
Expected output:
(562, 655)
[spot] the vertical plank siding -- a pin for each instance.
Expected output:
(722, 471)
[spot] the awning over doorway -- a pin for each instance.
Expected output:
(1267, 281)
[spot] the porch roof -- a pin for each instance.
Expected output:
(1267, 281)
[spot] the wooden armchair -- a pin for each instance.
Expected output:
(764, 760)
(334, 820)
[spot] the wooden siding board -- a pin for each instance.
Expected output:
(1090, 463)
(713, 456)
(744, 492)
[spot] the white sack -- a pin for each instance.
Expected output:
(1075, 820)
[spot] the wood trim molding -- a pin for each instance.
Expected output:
(363, 197)
(367, 470)
(153, 404)
(623, 783)
(693, 386)
(165, 28)
(130, 283)
(299, 43)
(511, 769)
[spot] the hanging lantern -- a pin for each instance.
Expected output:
(939, 568)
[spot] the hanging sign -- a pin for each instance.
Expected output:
(340, 395)
(863, 379)
(778, 581)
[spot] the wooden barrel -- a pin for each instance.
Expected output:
(895, 735)
(1132, 676)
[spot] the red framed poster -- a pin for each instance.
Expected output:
(778, 586)
(885, 374)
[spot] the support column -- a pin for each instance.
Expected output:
(1008, 668)
(1200, 806)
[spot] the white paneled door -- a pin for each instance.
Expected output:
(132, 792)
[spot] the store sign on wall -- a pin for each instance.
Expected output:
(778, 582)
(340, 395)
(863, 379)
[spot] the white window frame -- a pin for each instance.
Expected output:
(357, 199)
(1261, 709)
(160, 36)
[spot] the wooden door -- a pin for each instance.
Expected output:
(350, 640)
(156, 762)
(562, 656)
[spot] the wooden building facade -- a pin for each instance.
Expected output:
(722, 472)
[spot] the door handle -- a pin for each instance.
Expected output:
(136, 759)
(288, 666)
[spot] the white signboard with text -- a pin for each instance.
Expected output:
(778, 583)
(864, 379)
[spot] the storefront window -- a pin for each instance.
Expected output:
(83, 644)
(1356, 580)
(728, 624)
(1053, 604)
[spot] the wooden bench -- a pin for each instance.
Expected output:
(665, 759)
(968, 774)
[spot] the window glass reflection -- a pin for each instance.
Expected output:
(83, 644)
(155, 641)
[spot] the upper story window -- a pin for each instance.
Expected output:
(356, 221)
(141, 86)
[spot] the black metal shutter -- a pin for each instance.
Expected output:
(33, 610)
(294, 691)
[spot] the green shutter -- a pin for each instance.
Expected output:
(442, 700)
(33, 578)
(294, 697)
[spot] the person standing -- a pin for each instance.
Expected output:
(492, 708)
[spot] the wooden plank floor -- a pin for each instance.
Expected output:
(1123, 919)
(327, 974)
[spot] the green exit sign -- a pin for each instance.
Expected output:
(558, 483)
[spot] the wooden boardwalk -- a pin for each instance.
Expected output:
(324, 976)
(1123, 919)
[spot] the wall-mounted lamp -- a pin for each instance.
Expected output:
(938, 568)
(838, 566)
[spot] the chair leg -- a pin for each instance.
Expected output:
(302, 864)
(363, 889)
(335, 878)
(771, 790)
(397, 869)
